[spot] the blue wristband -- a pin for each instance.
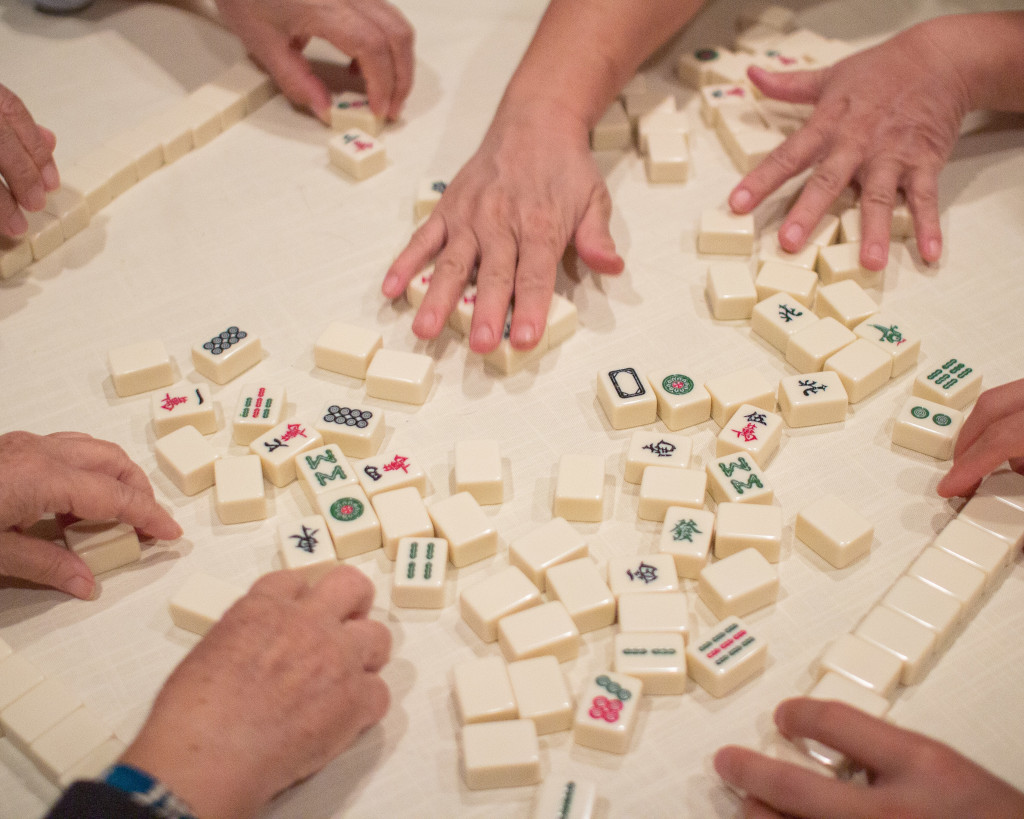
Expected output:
(145, 790)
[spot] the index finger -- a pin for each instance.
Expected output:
(399, 36)
(343, 593)
(95, 496)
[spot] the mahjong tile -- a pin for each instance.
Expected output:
(927, 604)
(666, 157)
(44, 233)
(93, 764)
(645, 573)
(834, 530)
(682, 402)
(507, 359)
(470, 533)
(863, 368)
(579, 489)
(498, 595)
(738, 479)
(322, 470)
(544, 629)
(840, 262)
(812, 399)
(187, 458)
(260, 408)
(667, 611)
(181, 405)
(648, 448)
(104, 545)
(810, 346)
(726, 658)
(67, 742)
(357, 153)
(947, 572)
(613, 131)
(752, 431)
(779, 277)
(927, 427)
(359, 431)
(979, 546)
(731, 391)
(351, 109)
(626, 397)
(483, 691)
(346, 348)
(396, 375)
(846, 302)
(747, 148)
(834, 686)
(672, 122)
(140, 367)
(911, 642)
(693, 68)
(884, 331)
(392, 470)
(825, 232)
(584, 593)
(36, 711)
(565, 798)
(478, 470)
(548, 545)
(15, 256)
(738, 584)
(724, 232)
(240, 493)
(305, 545)
(657, 659)
(416, 290)
(279, 447)
(17, 677)
(541, 693)
(421, 566)
(862, 662)
(687, 535)
(461, 317)
(500, 754)
(849, 226)
(402, 514)
(1006, 485)
(778, 317)
(663, 487)
(730, 290)
(607, 711)
(227, 355)
(952, 383)
(351, 520)
(563, 318)
(428, 194)
(771, 250)
(740, 526)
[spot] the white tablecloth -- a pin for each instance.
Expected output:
(256, 229)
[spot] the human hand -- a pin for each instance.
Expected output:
(27, 169)
(909, 774)
(68, 473)
(531, 188)
(992, 433)
(887, 118)
(373, 32)
(283, 683)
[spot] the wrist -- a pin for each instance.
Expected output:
(147, 791)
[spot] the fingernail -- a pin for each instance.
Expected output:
(934, 249)
(80, 587)
(482, 337)
(741, 199)
(875, 254)
(51, 179)
(525, 337)
(793, 235)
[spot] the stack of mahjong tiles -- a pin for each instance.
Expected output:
(48, 723)
(810, 307)
(108, 171)
(649, 119)
(506, 359)
(749, 125)
(921, 614)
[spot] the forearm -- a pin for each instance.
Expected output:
(988, 52)
(585, 51)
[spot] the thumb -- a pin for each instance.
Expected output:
(593, 239)
(292, 73)
(789, 86)
(46, 563)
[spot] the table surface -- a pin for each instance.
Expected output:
(256, 229)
